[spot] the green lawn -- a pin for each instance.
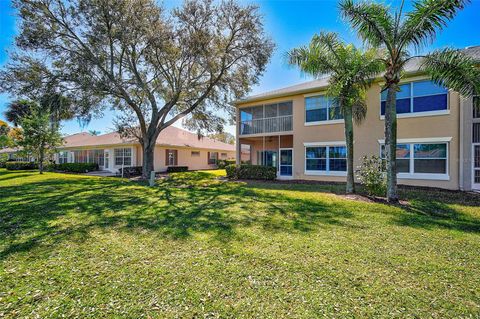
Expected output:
(195, 247)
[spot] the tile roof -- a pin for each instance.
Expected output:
(171, 136)
(411, 67)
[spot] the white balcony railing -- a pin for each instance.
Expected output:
(268, 125)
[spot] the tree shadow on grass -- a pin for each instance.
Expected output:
(58, 208)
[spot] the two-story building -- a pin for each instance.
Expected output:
(299, 131)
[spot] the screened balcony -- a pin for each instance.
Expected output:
(267, 118)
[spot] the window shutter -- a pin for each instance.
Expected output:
(208, 157)
(166, 157)
(175, 156)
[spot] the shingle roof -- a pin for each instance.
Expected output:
(171, 136)
(411, 67)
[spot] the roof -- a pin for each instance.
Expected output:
(170, 136)
(412, 66)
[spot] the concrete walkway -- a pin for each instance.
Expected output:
(101, 173)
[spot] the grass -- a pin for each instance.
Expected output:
(194, 246)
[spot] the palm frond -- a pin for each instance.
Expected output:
(359, 108)
(373, 22)
(453, 69)
(427, 18)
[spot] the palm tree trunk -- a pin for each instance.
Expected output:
(391, 142)
(349, 141)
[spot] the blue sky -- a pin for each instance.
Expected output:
(290, 24)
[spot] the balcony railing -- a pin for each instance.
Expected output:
(268, 125)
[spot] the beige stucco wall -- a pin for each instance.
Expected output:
(367, 134)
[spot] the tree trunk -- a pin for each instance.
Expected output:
(349, 141)
(391, 142)
(148, 156)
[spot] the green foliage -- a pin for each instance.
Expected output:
(372, 175)
(17, 166)
(76, 167)
(3, 159)
(177, 169)
(40, 136)
(245, 171)
(224, 137)
(221, 164)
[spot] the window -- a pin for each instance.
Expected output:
(421, 158)
(123, 156)
(63, 157)
(321, 108)
(171, 157)
(267, 158)
(223, 155)
(417, 97)
(326, 158)
(96, 156)
(212, 158)
(476, 107)
(80, 156)
(195, 153)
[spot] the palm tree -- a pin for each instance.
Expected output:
(350, 71)
(399, 35)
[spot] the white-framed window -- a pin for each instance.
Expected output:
(325, 159)
(422, 160)
(123, 156)
(320, 108)
(418, 97)
(195, 153)
(171, 157)
(223, 155)
(62, 157)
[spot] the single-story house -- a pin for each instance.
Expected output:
(175, 147)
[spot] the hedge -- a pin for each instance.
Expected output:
(76, 167)
(177, 169)
(131, 171)
(224, 163)
(17, 166)
(245, 171)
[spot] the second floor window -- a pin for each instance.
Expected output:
(420, 96)
(321, 108)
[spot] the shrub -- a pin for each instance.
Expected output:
(372, 175)
(3, 159)
(77, 167)
(224, 163)
(245, 171)
(17, 166)
(131, 171)
(177, 169)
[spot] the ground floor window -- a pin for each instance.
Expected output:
(421, 158)
(195, 153)
(224, 155)
(326, 158)
(80, 156)
(171, 157)
(123, 156)
(97, 157)
(63, 157)
(212, 158)
(267, 158)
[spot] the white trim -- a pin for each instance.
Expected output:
(420, 114)
(315, 94)
(324, 122)
(332, 143)
(438, 177)
(420, 140)
(325, 173)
